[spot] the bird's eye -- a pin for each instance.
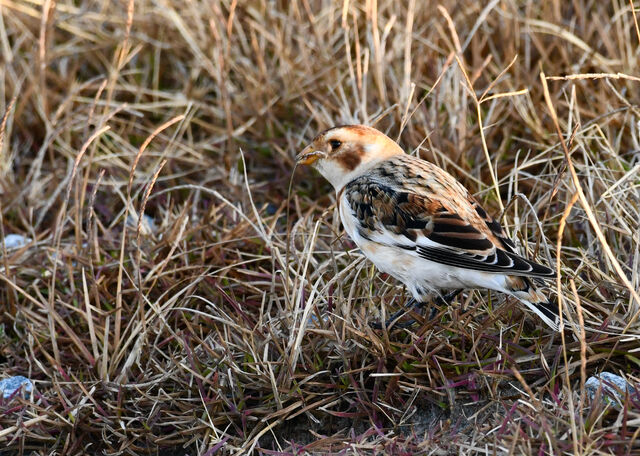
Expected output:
(335, 144)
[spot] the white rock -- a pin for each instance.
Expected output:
(13, 241)
(8, 386)
(147, 227)
(613, 387)
(313, 321)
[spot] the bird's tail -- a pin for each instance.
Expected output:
(525, 290)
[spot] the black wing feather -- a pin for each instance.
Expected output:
(379, 207)
(501, 262)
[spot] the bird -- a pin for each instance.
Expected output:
(417, 223)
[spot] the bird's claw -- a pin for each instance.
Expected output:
(413, 303)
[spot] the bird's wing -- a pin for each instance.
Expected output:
(455, 232)
(494, 226)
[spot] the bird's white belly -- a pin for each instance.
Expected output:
(415, 272)
(421, 276)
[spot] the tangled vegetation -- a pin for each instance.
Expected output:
(175, 297)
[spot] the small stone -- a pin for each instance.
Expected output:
(613, 387)
(13, 241)
(147, 227)
(313, 321)
(8, 386)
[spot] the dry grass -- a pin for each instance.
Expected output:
(207, 333)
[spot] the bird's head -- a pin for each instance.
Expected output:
(341, 154)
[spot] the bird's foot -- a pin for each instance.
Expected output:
(448, 298)
(414, 304)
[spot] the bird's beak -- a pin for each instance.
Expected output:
(309, 155)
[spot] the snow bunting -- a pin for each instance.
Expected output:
(415, 222)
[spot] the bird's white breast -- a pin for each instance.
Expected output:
(418, 274)
(392, 260)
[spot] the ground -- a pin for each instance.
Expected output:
(236, 316)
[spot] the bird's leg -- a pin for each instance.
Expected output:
(443, 301)
(446, 299)
(439, 301)
(411, 304)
